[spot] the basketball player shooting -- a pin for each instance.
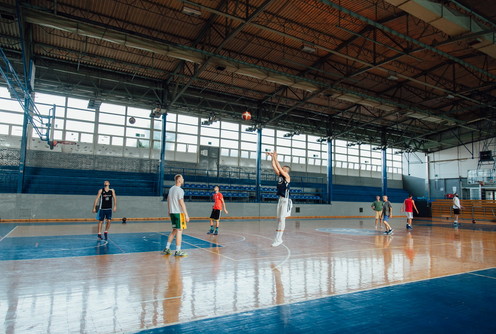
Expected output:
(284, 204)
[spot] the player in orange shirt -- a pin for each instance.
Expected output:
(219, 204)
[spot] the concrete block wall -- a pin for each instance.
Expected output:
(35, 206)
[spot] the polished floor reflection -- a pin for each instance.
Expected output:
(56, 278)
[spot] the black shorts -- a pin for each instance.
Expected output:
(456, 211)
(215, 215)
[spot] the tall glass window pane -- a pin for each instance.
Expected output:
(111, 118)
(230, 126)
(81, 126)
(140, 112)
(110, 129)
(209, 131)
(78, 114)
(113, 108)
(187, 119)
(189, 129)
(77, 103)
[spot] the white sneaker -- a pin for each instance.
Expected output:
(276, 243)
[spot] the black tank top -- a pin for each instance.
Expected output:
(106, 199)
(282, 187)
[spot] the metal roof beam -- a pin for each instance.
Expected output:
(236, 31)
(407, 38)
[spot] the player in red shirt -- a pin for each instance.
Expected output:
(408, 206)
(219, 204)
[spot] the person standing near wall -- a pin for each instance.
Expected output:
(377, 207)
(408, 206)
(284, 204)
(105, 203)
(178, 216)
(387, 213)
(219, 204)
(457, 207)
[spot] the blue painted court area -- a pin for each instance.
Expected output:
(455, 304)
(27, 248)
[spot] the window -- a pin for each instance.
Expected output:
(139, 112)
(85, 126)
(250, 137)
(230, 135)
(209, 141)
(49, 99)
(108, 129)
(210, 131)
(88, 138)
(111, 119)
(187, 119)
(229, 143)
(189, 129)
(77, 103)
(11, 118)
(187, 139)
(4, 129)
(79, 114)
(75, 122)
(113, 108)
(230, 126)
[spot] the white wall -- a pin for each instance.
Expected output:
(446, 164)
(414, 164)
(35, 206)
(455, 162)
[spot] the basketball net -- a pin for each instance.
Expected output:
(481, 183)
(54, 143)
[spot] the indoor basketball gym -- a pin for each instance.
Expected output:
(359, 99)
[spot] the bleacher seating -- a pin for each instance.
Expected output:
(471, 209)
(345, 193)
(8, 179)
(87, 182)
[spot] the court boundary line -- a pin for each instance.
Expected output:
(317, 298)
(5, 236)
(116, 219)
(485, 276)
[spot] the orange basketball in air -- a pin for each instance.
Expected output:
(246, 115)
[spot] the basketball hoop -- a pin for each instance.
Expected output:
(54, 143)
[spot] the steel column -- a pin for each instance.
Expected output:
(329, 171)
(161, 167)
(259, 166)
(23, 149)
(384, 171)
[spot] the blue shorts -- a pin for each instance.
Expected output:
(105, 213)
(385, 218)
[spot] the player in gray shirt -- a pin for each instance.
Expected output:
(387, 212)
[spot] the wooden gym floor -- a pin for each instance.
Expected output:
(329, 276)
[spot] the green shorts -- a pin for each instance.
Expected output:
(178, 221)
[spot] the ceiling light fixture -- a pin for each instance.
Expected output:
(191, 11)
(307, 49)
(392, 76)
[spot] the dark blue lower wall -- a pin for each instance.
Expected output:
(87, 182)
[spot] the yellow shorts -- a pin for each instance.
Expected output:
(378, 214)
(178, 221)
